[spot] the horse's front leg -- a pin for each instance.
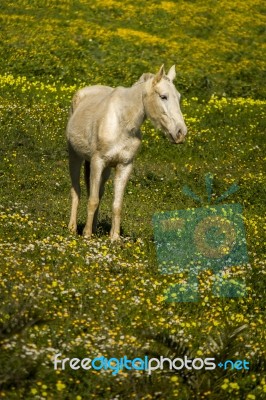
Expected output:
(96, 170)
(121, 178)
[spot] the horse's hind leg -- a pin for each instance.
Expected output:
(75, 162)
(105, 175)
(96, 169)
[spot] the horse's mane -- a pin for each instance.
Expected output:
(144, 77)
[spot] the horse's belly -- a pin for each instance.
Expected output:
(122, 153)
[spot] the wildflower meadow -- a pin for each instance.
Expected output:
(63, 294)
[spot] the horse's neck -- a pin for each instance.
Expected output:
(132, 109)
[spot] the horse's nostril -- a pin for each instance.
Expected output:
(180, 135)
(182, 131)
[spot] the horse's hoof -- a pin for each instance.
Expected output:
(86, 234)
(72, 228)
(115, 238)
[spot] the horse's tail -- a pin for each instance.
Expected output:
(78, 96)
(74, 103)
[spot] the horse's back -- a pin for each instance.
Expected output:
(86, 106)
(86, 112)
(90, 93)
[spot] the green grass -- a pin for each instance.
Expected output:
(62, 293)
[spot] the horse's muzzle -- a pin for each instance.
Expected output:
(180, 139)
(180, 134)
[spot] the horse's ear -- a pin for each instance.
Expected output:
(171, 73)
(159, 75)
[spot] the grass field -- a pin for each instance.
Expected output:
(60, 293)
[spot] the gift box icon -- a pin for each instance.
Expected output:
(192, 240)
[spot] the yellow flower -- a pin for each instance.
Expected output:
(234, 385)
(224, 386)
(60, 386)
(174, 379)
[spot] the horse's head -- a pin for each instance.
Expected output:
(162, 104)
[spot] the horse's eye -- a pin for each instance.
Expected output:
(163, 96)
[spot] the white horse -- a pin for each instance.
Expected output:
(103, 130)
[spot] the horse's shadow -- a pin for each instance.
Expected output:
(103, 228)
